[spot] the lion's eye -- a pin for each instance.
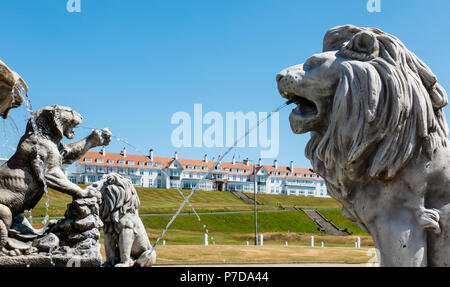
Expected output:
(313, 62)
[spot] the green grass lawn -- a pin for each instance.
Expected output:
(297, 201)
(154, 200)
(224, 228)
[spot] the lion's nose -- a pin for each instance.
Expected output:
(280, 76)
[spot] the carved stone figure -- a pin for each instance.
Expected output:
(11, 87)
(379, 139)
(23, 176)
(125, 239)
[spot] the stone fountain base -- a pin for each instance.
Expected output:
(69, 242)
(57, 260)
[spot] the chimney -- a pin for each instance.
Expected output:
(123, 152)
(151, 154)
(103, 151)
(246, 161)
(275, 164)
(176, 155)
(233, 161)
(206, 158)
(259, 162)
(292, 166)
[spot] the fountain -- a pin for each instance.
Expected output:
(24, 179)
(36, 165)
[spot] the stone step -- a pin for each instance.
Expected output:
(325, 225)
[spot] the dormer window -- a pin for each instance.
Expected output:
(110, 161)
(120, 161)
(130, 162)
(88, 159)
(99, 160)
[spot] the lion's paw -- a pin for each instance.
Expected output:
(429, 219)
(129, 263)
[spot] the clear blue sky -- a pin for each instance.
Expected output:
(129, 65)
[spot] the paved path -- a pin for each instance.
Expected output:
(186, 213)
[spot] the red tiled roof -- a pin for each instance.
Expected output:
(186, 163)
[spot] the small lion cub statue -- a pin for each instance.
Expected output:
(125, 239)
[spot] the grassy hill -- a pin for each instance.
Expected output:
(225, 228)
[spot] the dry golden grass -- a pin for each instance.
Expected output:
(259, 254)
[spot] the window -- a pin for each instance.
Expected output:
(141, 163)
(130, 162)
(110, 161)
(99, 160)
(149, 163)
(88, 159)
(120, 161)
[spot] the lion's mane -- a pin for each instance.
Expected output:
(387, 109)
(119, 197)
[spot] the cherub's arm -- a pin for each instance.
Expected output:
(74, 151)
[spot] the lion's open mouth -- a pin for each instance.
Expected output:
(69, 132)
(305, 107)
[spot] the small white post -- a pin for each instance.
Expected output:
(164, 243)
(206, 239)
(356, 244)
(247, 243)
(285, 243)
(359, 242)
(312, 241)
(261, 239)
(321, 244)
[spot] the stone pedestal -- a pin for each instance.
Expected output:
(70, 242)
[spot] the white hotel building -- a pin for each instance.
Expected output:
(175, 172)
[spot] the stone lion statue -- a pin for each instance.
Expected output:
(125, 239)
(22, 176)
(379, 139)
(12, 90)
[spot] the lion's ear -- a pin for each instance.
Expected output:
(363, 46)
